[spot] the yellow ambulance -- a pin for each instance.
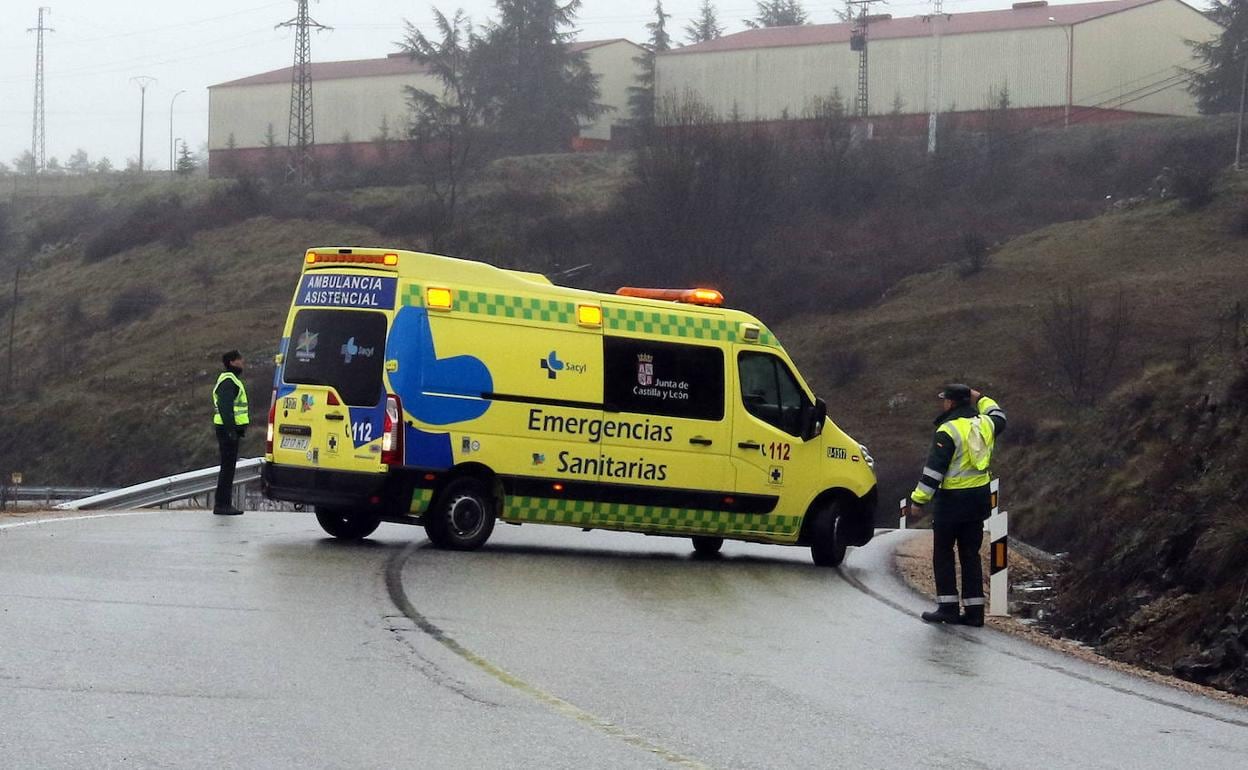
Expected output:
(422, 389)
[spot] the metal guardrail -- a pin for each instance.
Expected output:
(167, 490)
(23, 494)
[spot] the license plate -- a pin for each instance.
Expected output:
(299, 443)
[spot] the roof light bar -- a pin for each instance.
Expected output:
(386, 260)
(708, 297)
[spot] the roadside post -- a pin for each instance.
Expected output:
(901, 522)
(998, 556)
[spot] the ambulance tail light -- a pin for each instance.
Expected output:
(268, 436)
(392, 433)
(331, 399)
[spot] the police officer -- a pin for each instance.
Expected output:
(230, 416)
(956, 480)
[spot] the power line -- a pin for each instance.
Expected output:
(38, 134)
(300, 134)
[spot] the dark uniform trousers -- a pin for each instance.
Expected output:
(966, 537)
(227, 443)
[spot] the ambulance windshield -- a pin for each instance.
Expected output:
(342, 349)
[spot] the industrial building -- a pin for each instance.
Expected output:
(1077, 63)
(353, 99)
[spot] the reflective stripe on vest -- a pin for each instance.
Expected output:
(241, 414)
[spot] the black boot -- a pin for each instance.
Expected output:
(974, 615)
(944, 613)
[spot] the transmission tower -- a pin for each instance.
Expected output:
(858, 42)
(300, 136)
(937, 18)
(38, 132)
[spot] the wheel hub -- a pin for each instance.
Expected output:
(467, 516)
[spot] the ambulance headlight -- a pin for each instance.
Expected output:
(866, 456)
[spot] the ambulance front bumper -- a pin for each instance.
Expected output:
(317, 486)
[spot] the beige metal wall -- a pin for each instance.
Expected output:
(1112, 56)
(1126, 56)
(617, 72)
(352, 106)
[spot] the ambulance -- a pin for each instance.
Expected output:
(422, 389)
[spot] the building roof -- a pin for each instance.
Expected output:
(394, 64)
(1028, 16)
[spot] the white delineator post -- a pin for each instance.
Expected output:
(901, 522)
(998, 556)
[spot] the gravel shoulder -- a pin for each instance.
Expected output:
(913, 562)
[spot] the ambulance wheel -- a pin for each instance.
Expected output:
(346, 524)
(462, 518)
(705, 545)
(827, 545)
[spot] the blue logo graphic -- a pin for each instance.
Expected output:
(437, 391)
(552, 365)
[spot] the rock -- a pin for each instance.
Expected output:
(1203, 667)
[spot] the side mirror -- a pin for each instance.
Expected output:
(812, 426)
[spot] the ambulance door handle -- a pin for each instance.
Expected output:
(701, 441)
(334, 416)
(749, 445)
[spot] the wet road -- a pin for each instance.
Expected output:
(177, 638)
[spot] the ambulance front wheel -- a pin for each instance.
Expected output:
(346, 524)
(827, 544)
(462, 518)
(705, 545)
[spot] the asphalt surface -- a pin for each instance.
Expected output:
(183, 639)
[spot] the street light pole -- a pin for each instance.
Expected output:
(173, 145)
(142, 82)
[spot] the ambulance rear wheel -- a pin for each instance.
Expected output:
(827, 545)
(346, 524)
(462, 518)
(705, 545)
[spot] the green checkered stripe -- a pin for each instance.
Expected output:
(678, 325)
(413, 296)
(500, 305)
(421, 498)
(580, 512)
(544, 510)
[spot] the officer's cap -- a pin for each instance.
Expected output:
(956, 392)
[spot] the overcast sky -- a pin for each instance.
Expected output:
(98, 47)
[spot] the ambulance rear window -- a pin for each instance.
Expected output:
(342, 349)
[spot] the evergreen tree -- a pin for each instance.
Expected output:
(641, 96)
(78, 163)
(105, 166)
(778, 13)
(706, 26)
(540, 91)
(25, 163)
(186, 164)
(446, 126)
(1217, 84)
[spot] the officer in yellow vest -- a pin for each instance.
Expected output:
(957, 479)
(230, 416)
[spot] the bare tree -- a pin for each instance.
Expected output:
(1086, 346)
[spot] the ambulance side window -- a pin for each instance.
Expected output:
(770, 393)
(663, 378)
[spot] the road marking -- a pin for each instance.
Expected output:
(54, 519)
(394, 584)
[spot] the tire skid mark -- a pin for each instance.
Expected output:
(394, 584)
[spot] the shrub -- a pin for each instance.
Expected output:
(134, 304)
(1193, 186)
(975, 254)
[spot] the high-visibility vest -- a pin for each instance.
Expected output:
(973, 442)
(241, 415)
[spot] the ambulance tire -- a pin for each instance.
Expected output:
(827, 546)
(346, 524)
(705, 545)
(462, 518)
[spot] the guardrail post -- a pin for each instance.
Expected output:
(901, 522)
